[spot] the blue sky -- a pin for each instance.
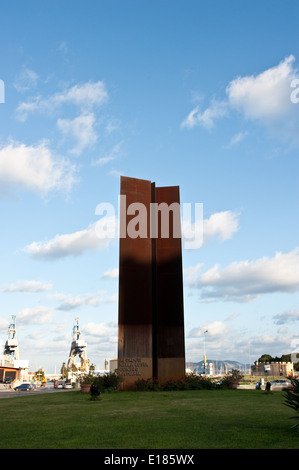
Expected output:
(188, 93)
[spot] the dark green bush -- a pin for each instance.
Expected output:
(107, 383)
(142, 385)
(292, 400)
(189, 382)
(199, 382)
(179, 384)
(234, 376)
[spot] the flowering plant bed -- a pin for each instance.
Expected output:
(189, 382)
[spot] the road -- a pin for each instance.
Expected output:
(10, 393)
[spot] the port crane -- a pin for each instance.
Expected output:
(11, 347)
(78, 350)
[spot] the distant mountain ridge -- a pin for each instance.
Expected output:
(219, 367)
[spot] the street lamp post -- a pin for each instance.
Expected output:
(204, 350)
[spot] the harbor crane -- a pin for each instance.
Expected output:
(11, 347)
(78, 350)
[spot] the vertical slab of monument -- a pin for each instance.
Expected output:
(151, 314)
(135, 355)
(169, 289)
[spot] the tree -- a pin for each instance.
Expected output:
(63, 370)
(39, 375)
(265, 358)
(285, 358)
(292, 400)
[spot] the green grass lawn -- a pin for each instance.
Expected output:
(204, 419)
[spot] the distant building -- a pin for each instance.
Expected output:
(11, 367)
(272, 368)
(113, 365)
(16, 371)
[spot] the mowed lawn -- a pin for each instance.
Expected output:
(204, 419)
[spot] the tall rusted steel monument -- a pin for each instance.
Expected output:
(151, 313)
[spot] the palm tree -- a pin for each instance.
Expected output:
(292, 399)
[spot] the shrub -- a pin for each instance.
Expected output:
(108, 382)
(234, 376)
(189, 382)
(143, 385)
(179, 384)
(87, 379)
(199, 382)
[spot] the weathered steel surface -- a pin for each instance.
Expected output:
(169, 294)
(151, 314)
(135, 289)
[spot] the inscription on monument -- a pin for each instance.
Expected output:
(135, 366)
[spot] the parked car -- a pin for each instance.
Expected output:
(23, 388)
(281, 383)
(67, 385)
(7, 380)
(59, 384)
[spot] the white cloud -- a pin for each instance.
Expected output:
(25, 108)
(71, 303)
(3, 326)
(207, 117)
(38, 315)
(229, 343)
(102, 161)
(215, 328)
(112, 298)
(28, 286)
(112, 125)
(191, 273)
(95, 237)
(63, 47)
(264, 98)
(266, 95)
(111, 274)
(116, 173)
(246, 281)
(237, 138)
(35, 168)
(221, 224)
(286, 317)
(81, 129)
(71, 244)
(26, 80)
(275, 345)
(114, 154)
(84, 96)
(96, 329)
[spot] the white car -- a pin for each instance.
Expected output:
(281, 383)
(67, 385)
